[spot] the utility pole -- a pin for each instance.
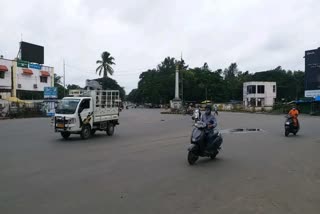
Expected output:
(64, 78)
(181, 77)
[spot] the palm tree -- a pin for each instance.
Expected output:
(105, 64)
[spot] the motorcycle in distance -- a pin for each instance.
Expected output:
(199, 147)
(289, 126)
(196, 115)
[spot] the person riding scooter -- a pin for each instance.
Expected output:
(211, 122)
(294, 114)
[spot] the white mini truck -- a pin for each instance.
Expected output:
(86, 111)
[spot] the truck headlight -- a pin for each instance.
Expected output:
(72, 121)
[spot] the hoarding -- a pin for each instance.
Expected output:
(32, 53)
(312, 73)
(50, 92)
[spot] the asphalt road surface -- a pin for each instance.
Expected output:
(143, 168)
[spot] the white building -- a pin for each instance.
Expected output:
(23, 76)
(5, 78)
(259, 95)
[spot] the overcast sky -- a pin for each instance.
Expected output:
(257, 34)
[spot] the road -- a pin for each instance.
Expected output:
(143, 168)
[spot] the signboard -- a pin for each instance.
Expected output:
(49, 107)
(312, 93)
(35, 66)
(22, 64)
(50, 92)
(312, 70)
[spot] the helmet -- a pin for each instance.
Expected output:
(208, 107)
(208, 110)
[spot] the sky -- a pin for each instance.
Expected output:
(257, 34)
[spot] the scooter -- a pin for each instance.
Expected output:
(289, 126)
(199, 147)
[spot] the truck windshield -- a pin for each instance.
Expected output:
(67, 106)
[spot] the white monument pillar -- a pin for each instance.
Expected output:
(176, 103)
(177, 83)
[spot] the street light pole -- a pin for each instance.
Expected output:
(64, 78)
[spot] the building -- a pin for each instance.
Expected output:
(312, 73)
(259, 95)
(19, 76)
(5, 78)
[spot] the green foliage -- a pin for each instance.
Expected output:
(110, 84)
(61, 90)
(201, 83)
(105, 64)
(73, 86)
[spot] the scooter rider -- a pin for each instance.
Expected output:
(211, 122)
(294, 114)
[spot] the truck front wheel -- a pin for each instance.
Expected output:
(85, 132)
(110, 129)
(65, 135)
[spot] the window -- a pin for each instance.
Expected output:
(260, 89)
(85, 104)
(44, 79)
(1, 75)
(274, 89)
(251, 89)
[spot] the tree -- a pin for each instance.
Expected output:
(157, 85)
(105, 64)
(57, 83)
(57, 79)
(110, 84)
(73, 86)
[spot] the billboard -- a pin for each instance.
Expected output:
(50, 92)
(32, 53)
(312, 73)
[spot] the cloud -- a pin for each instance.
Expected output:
(258, 35)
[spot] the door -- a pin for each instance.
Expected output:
(85, 110)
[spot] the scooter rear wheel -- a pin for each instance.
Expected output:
(192, 158)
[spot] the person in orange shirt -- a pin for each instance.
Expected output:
(294, 114)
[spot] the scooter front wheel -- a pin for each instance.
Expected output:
(214, 155)
(192, 158)
(286, 133)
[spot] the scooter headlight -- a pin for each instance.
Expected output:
(287, 123)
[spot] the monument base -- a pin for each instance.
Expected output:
(176, 104)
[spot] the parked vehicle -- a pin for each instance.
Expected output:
(86, 111)
(289, 126)
(199, 145)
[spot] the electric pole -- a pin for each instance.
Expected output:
(64, 78)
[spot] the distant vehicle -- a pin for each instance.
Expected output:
(199, 146)
(289, 126)
(87, 111)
